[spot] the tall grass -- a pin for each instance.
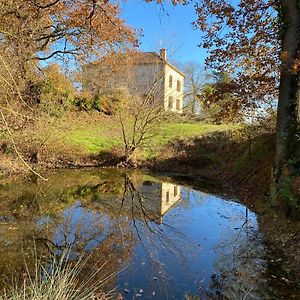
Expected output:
(60, 280)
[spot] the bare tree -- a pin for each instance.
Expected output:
(138, 116)
(140, 78)
(194, 84)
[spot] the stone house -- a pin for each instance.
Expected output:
(144, 74)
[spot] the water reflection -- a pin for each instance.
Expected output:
(165, 241)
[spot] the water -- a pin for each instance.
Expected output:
(163, 240)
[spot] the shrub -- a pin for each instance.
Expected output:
(54, 94)
(84, 101)
(55, 102)
(111, 100)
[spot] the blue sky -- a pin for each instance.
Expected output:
(171, 29)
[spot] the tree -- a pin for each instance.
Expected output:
(40, 30)
(194, 84)
(287, 169)
(35, 31)
(242, 40)
(259, 42)
(220, 102)
(138, 117)
(143, 100)
(256, 41)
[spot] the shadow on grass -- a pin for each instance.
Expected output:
(108, 158)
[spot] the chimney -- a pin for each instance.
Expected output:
(163, 53)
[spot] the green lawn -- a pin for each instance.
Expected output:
(171, 131)
(105, 134)
(92, 141)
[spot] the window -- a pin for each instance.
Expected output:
(175, 190)
(170, 102)
(178, 106)
(167, 196)
(178, 86)
(170, 81)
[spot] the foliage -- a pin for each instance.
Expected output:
(54, 94)
(107, 102)
(111, 101)
(55, 77)
(55, 102)
(248, 48)
(41, 30)
(219, 101)
(84, 101)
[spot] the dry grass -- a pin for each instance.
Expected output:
(60, 280)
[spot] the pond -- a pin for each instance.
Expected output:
(161, 239)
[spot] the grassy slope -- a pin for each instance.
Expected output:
(93, 133)
(171, 131)
(78, 137)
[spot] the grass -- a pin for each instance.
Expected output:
(80, 134)
(95, 133)
(167, 132)
(59, 280)
(92, 141)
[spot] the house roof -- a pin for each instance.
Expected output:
(152, 58)
(138, 58)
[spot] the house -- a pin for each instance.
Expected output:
(144, 74)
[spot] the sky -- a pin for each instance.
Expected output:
(170, 29)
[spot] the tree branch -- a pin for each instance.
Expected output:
(38, 5)
(72, 52)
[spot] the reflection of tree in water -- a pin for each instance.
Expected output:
(110, 220)
(155, 236)
(82, 231)
(239, 266)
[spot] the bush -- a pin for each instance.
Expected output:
(55, 102)
(110, 101)
(48, 97)
(96, 105)
(84, 101)
(54, 94)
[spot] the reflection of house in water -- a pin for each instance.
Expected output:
(170, 194)
(133, 198)
(159, 198)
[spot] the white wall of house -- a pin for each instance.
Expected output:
(148, 79)
(159, 80)
(170, 195)
(174, 85)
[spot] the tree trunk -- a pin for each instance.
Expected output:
(287, 162)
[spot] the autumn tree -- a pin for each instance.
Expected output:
(220, 102)
(259, 42)
(256, 40)
(39, 30)
(287, 169)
